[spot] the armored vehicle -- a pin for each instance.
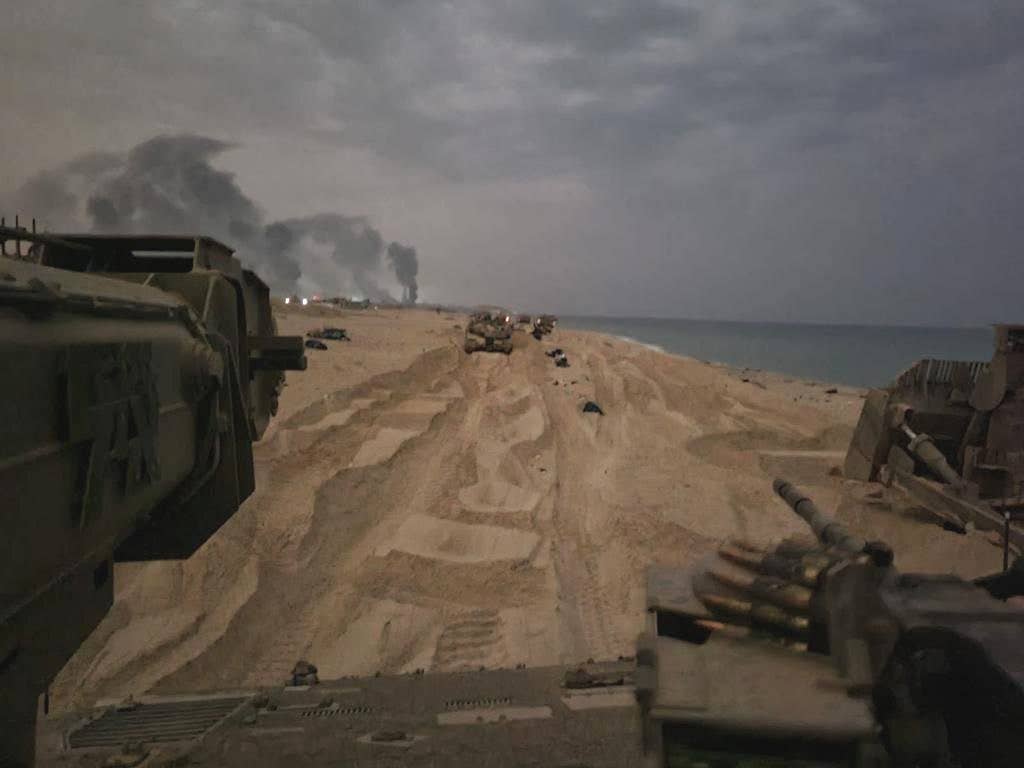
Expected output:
(489, 332)
(138, 371)
(543, 325)
(952, 434)
(820, 653)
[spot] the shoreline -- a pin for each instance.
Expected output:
(852, 356)
(720, 364)
(785, 377)
(800, 389)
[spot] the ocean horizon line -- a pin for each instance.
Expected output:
(789, 323)
(857, 355)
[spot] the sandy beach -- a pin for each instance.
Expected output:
(420, 508)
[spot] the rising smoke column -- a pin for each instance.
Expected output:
(168, 182)
(169, 185)
(55, 195)
(279, 241)
(403, 260)
(355, 245)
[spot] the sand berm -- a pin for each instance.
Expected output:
(418, 507)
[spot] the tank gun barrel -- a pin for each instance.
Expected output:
(922, 446)
(828, 531)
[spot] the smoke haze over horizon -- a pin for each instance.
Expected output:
(848, 161)
(168, 185)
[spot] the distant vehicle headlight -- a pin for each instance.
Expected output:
(305, 301)
(287, 300)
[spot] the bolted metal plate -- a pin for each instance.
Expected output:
(173, 721)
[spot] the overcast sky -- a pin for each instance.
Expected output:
(846, 161)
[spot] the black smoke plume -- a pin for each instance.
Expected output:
(167, 185)
(403, 260)
(354, 245)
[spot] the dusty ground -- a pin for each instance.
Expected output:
(418, 507)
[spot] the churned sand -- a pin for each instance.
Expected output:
(421, 508)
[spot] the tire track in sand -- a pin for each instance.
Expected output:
(298, 548)
(586, 612)
(470, 640)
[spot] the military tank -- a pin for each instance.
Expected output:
(489, 332)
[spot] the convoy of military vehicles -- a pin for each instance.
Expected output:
(136, 386)
(491, 331)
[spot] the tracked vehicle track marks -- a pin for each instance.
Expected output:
(470, 640)
(486, 444)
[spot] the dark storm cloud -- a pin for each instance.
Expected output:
(382, 58)
(851, 160)
(729, 63)
(599, 28)
(526, 87)
(169, 185)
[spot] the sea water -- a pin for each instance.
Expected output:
(858, 355)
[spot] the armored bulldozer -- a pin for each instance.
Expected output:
(138, 372)
(489, 332)
(952, 434)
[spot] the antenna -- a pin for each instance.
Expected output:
(22, 234)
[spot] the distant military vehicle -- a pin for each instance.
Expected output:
(543, 325)
(952, 434)
(489, 332)
(138, 372)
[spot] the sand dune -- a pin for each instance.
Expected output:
(420, 508)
